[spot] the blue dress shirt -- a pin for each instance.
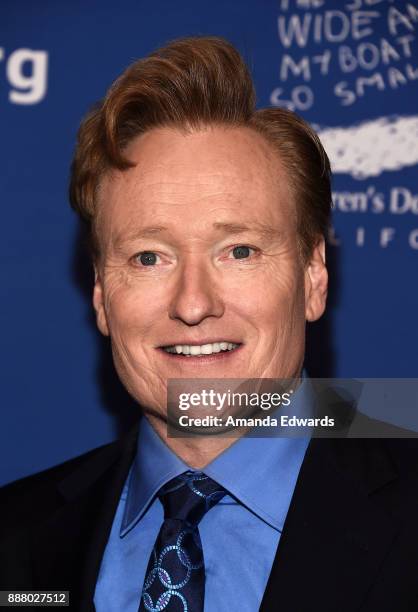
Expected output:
(239, 535)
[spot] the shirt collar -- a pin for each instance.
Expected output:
(153, 466)
(274, 461)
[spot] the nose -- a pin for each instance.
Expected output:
(196, 296)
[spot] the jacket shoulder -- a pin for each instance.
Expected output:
(23, 500)
(404, 452)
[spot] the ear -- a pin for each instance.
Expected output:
(316, 283)
(98, 304)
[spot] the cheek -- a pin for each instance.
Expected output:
(131, 310)
(274, 299)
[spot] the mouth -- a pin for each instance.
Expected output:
(219, 348)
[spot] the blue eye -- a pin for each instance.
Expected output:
(148, 258)
(241, 252)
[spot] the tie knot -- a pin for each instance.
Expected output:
(189, 496)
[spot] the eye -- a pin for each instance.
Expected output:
(147, 258)
(241, 252)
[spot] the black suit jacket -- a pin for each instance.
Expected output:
(350, 540)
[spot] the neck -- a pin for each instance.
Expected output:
(196, 452)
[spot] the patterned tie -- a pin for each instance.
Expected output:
(175, 577)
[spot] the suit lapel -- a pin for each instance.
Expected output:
(335, 535)
(68, 547)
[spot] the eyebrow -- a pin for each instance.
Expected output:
(135, 234)
(265, 231)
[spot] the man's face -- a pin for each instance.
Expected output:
(200, 255)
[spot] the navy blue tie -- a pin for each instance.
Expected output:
(175, 577)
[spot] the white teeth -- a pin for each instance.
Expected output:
(205, 349)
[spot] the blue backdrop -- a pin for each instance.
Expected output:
(350, 68)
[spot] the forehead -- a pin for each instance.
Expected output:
(195, 180)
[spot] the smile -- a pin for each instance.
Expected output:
(199, 350)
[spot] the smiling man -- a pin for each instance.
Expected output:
(200, 272)
(207, 222)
